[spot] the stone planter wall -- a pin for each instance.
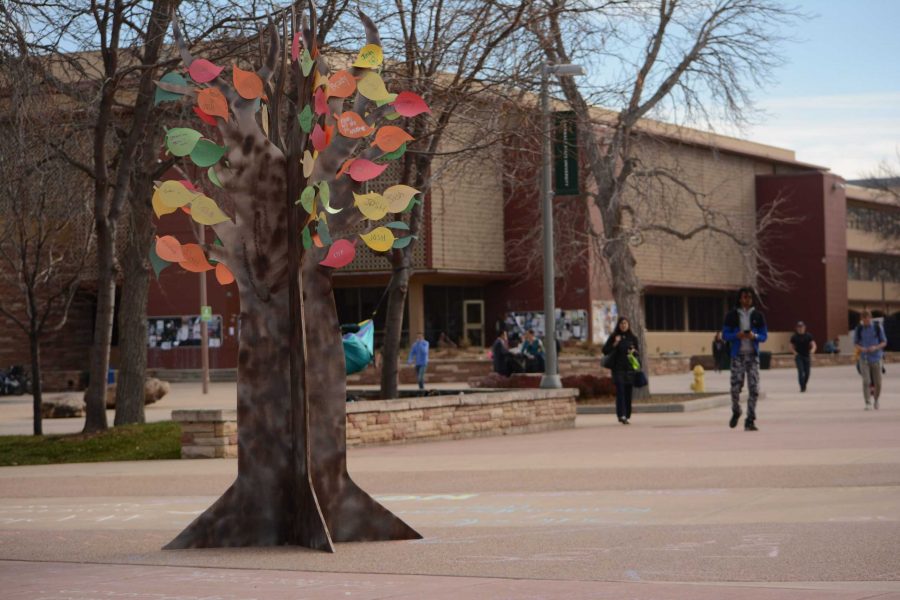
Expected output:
(213, 433)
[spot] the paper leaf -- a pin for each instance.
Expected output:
(223, 274)
(194, 259)
(317, 241)
(390, 137)
(319, 80)
(341, 254)
(246, 83)
(211, 174)
(307, 197)
(168, 248)
(398, 225)
(351, 125)
(409, 104)
(371, 85)
(295, 48)
(341, 84)
(173, 194)
(389, 156)
(320, 102)
(204, 210)
(410, 206)
(363, 170)
(317, 137)
(369, 57)
(308, 163)
(213, 102)
(344, 167)
(398, 197)
(392, 116)
(163, 95)
(387, 100)
(159, 207)
(322, 230)
(372, 205)
(265, 119)
(325, 198)
(307, 239)
(209, 120)
(203, 71)
(306, 63)
(305, 119)
(181, 140)
(379, 239)
(403, 242)
(207, 153)
(159, 265)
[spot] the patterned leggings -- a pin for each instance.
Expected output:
(741, 365)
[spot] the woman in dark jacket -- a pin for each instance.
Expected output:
(622, 343)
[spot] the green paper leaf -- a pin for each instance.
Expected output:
(322, 230)
(181, 140)
(305, 119)
(392, 116)
(324, 193)
(398, 225)
(392, 155)
(307, 238)
(207, 153)
(403, 242)
(211, 174)
(306, 63)
(386, 100)
(162, 95)
(307, 197)
(415, 200)
(159, 264)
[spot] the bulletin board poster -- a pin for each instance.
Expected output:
(570, 325)
(167, 333)
(604, 315)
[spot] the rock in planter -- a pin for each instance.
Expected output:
(154, 389)
(64, 406)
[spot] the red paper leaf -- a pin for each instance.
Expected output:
(409, 104)
(210, 120)
(341, 254)
(364, 170)
(318, 138)
(295, 47)
(203, 71)
(320, 102)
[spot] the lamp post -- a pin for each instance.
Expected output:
(551, 370)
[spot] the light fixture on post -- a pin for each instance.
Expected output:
(551, 370)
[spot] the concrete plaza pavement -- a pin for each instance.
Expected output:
(674, 506)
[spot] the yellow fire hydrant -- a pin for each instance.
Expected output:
(698, 385)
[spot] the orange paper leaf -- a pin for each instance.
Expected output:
(341, 84)
(213, 102)
(194, 259)
(168, 248)
(391, 137)
(247, 83)
(223, 274)
(351, 125)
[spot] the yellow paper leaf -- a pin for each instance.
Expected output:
(265, 119)
(369, 57)
(308, 163)
(372, 205)
(379, 239)
(398, 197)
(319, 80)
(372, 87)
(205, 211)
(173, 194)
(159, 207)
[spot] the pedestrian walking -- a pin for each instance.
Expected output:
(745, 329)
(720, 351)
(803, 346)
(622, 348)
(869, 340)
(418, 354)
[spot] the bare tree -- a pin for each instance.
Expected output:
(691, 62)
(44, 244)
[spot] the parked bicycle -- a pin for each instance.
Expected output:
(14, 381)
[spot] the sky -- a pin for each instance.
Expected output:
(837, 101)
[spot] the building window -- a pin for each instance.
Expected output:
(873, 268)
(664, 313)
(705, 313)
(882, 222)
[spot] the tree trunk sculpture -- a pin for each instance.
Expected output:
(290, 210)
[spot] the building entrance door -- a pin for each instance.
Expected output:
(473, 322)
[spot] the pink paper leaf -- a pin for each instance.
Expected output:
(203, 71)
(364, 170)
(341, 254)
(409, 104)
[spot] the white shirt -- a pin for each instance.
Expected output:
(746, 344)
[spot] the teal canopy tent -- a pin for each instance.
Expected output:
(359, 347)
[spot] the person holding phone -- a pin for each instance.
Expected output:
(745, 329)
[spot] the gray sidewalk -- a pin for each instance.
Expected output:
(673, 506)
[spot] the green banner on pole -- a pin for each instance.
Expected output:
(565, 154)
(206, 313)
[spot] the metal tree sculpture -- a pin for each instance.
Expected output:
(284, 176)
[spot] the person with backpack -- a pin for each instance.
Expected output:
(744, 328)
(869, 341)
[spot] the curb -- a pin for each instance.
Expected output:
(669, 407)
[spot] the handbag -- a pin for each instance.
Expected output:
(640, 379)
(607, 361)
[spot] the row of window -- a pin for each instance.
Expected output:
(882, 222)
(874, 268)
(684, 313)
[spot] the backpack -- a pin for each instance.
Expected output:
(879, 336)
